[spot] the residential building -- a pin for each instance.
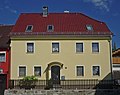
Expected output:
(4, 55)
(60, 46)
(116, 63)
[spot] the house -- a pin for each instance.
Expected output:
(116, 63)
(60, 46)
(4, 55)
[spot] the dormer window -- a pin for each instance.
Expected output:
(50, 28)
(89, 27)
(29, 28)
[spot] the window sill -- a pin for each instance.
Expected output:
(3, 62)
(79, 52)
(80, 76)
(95, 52)
(29, 52)
(55, 52)
(96, 75)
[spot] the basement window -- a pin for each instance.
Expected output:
(29, 28)
(89, 27)
(50, 28)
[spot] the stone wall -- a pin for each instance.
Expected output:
(61, 92)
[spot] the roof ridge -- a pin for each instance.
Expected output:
(77, 13)
(6, 24)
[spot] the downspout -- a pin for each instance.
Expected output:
(110, 50)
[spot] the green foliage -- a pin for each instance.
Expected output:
(30, 78)
(28, 82)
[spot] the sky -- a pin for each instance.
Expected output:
(107, 11)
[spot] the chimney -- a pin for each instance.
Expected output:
(45, 11)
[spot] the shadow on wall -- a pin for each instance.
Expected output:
(104, 86)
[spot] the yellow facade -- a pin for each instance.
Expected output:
(67, 57)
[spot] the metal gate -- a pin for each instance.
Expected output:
(3, 83)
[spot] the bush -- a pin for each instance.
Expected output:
(28, 82)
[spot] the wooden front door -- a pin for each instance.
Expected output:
(55, 74)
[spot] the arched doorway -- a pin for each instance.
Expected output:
(55, 74)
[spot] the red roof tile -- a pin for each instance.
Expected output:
(64, 23)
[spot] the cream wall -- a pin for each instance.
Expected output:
(67, 56)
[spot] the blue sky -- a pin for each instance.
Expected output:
(107, 11)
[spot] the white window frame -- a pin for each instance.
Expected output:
(89, 25)
(98, 47)
(76, 71)
(48, 28)
(52, 47)
(76, 47)
(37, 66)
(27, 28)
(26, 47)
(18, 70)
(99, 71)
(5, 55)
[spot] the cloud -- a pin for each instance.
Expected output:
(101, 4)
(10, 9)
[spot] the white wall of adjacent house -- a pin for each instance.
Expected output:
(116, 67)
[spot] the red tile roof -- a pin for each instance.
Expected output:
(64, 23)
(4, 35)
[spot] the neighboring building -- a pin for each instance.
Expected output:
(4, 55)
(116, 63)
(60, 46)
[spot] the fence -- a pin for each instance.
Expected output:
(63, 84)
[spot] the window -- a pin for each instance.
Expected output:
(80, 70)
(22, 71)
(96, 71)
(37, 71)
(30, 47)
(1, 70)
(95, 47)
(89, 27)
(79, 47)
(29, 28)
(50, 28)
(2, 57)
(55, 47)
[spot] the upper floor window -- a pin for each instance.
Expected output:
(29, 28)
(37, 71)
(96, 70)
(22, 71)
(2, 57)
(79, 47)
(95, 47)
(89, 27)
(30, 47)
(80, 70)
(50, 28)
(55, 47)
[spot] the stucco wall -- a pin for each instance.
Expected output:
(67, 56)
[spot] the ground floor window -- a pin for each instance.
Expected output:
(37, 71)
(96, 70)
(22, 71)
(80, 70)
